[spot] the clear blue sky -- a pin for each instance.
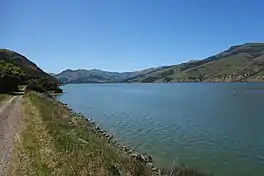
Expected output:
(126, 35)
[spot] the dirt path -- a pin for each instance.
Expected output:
(10, 115)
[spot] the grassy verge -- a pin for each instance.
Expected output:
(54, 141)
(3, 97)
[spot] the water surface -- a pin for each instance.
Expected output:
(214, 127)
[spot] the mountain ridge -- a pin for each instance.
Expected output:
(237, 63)
(97, 76)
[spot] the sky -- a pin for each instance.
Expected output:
(126, 35)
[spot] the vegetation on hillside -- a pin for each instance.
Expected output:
(16, 69)
(237, 64)
(10, 77)
(43, 85)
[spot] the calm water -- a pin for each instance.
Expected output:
(213, 127)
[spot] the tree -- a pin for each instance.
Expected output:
(10, 77)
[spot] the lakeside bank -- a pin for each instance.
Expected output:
(54, 140)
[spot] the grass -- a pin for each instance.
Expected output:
(3, 97)
(54, 141)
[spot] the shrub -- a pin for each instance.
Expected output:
(10, 77)
(58, 90)
(44, 85)
(36, 88)
(8, 83)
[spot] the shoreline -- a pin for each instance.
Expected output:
(60, 141)
(175, 169)
(130, 152)
(179, 82)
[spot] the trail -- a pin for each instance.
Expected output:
(10, 115)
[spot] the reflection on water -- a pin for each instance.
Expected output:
(215, 127)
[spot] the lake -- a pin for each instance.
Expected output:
(213, 127)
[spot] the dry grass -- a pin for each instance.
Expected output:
(52, 142)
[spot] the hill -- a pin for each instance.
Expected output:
(237, 64)
(98, 76)
(17, 69)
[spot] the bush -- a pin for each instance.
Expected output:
(36, 88)
(43, 85)
(10, 77)
(8, 83)
(58, 90)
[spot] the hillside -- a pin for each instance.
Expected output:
(17, 69)
(238, 63)
(97, 76)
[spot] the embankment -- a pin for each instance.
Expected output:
(56, 141)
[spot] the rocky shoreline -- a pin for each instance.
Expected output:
(144, 159)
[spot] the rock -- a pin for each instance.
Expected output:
(130, 151)
(154, 169)
(141, 158)
(101, 131)
(150, 165)
(149, 159)
(133, 155)
(125, 148)
(108, 136)
(87, 120)
(138, 157)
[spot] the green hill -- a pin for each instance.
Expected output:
(17, 69)
(239, 63)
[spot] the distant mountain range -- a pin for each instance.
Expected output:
(98, 76)
(237, 64)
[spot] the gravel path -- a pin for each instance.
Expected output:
(10, 115)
